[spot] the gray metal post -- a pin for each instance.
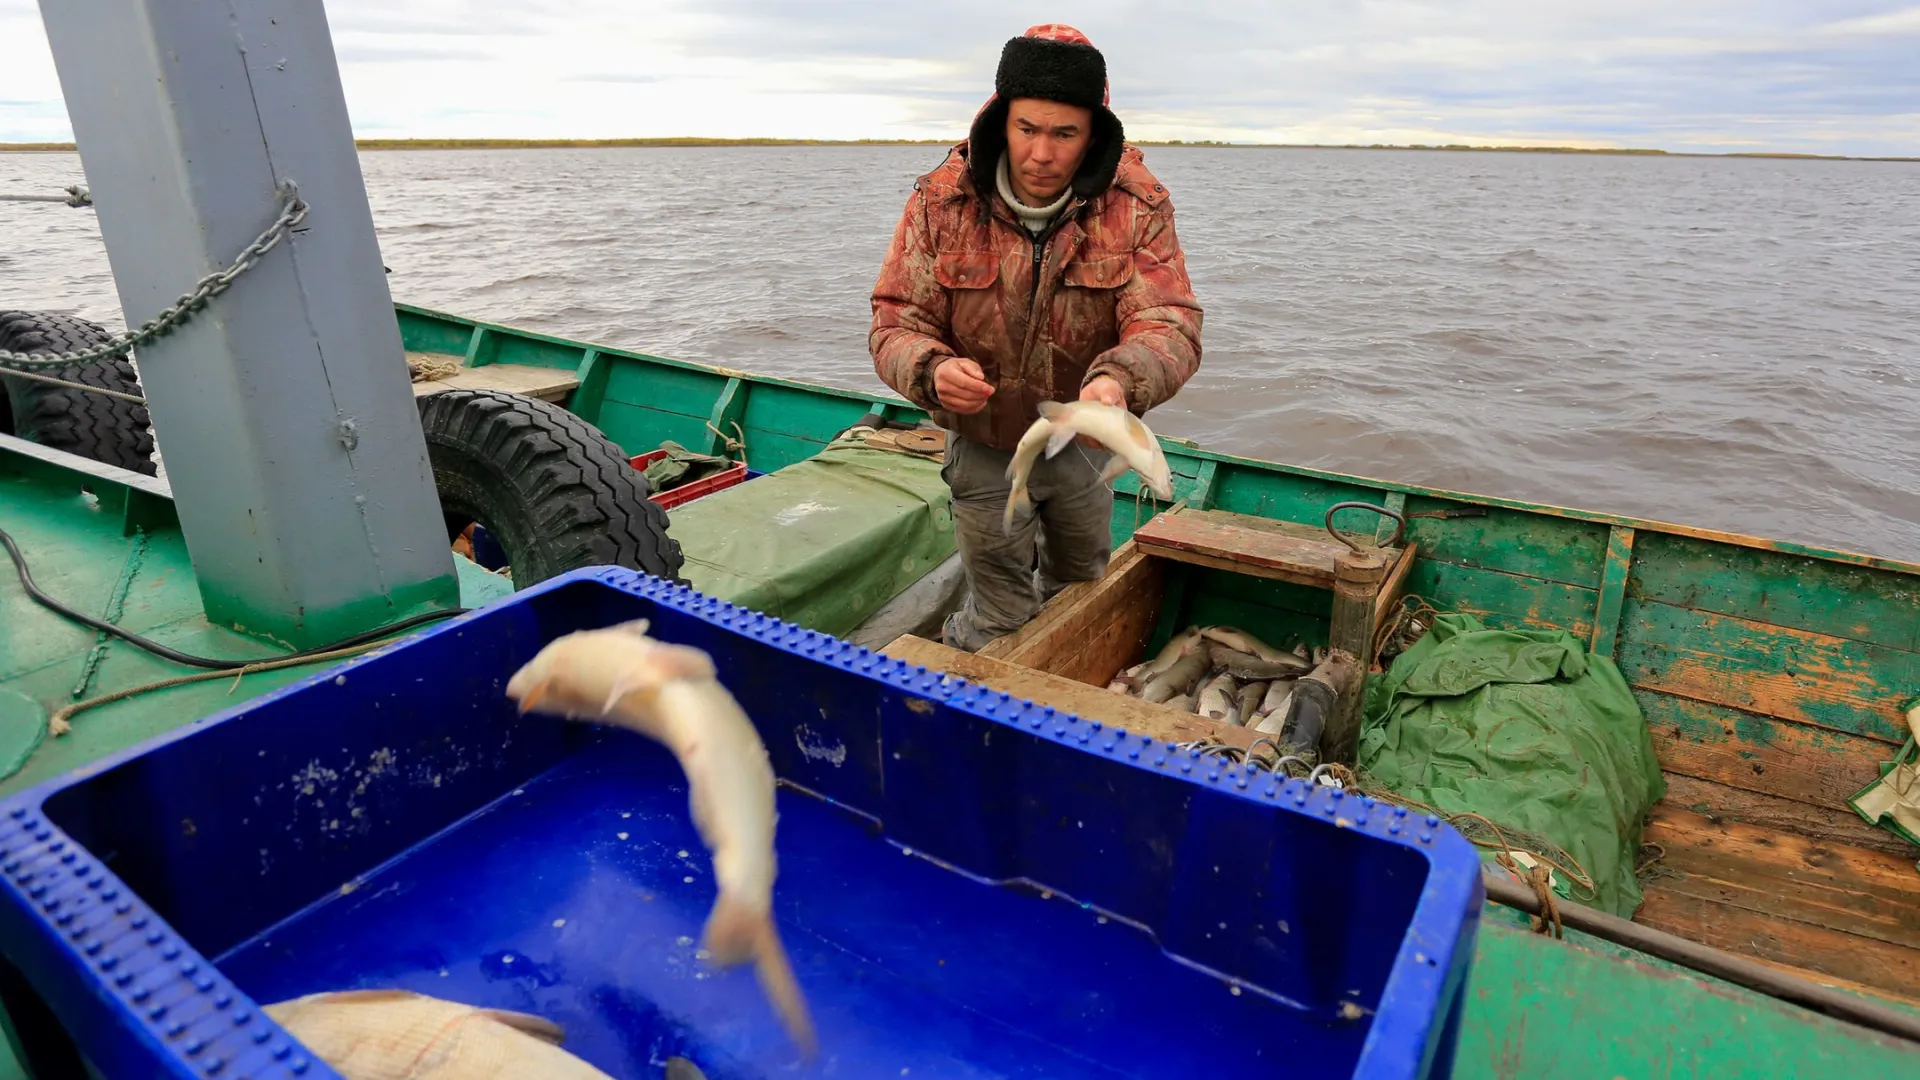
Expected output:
(292, 441)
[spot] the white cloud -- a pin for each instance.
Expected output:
(1827, 75)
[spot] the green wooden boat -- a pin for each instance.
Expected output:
(1773, 677)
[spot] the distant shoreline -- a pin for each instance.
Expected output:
(613, 144)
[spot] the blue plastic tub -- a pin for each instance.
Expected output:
(969, 886)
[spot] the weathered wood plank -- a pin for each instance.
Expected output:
(1828, 953)
(1130, 714)
(1117, 628)
(1613, 591)
(1504, 600)
(1824, 824)
(1872, 894)
(1758, 753)
(1856, 602)
(1393, 587)
(547, 384)
(1758, 667)
(1531, 545)
(1244, 545)
(1068, 604)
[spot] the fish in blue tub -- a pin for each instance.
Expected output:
(400, 1035)
(619, 675)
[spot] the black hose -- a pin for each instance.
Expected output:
(157, 649)
(1505, 891)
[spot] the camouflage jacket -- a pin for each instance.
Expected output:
(1103, 292)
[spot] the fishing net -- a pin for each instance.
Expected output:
(1527, 743)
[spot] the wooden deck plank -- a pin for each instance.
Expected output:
(1777, 671)
(1760, 754)
(1829, 825)
(1833, 954)
(1769, 872)
(1092, 703)
(1246, 545)
(547, 384)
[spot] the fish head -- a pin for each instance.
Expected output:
(587, 672)
(531, 684)
(1158, 475)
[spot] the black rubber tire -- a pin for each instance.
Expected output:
(555, 493)
(90, 425)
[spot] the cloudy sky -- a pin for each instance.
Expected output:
(1824, 76)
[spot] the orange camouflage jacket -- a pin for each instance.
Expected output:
(1103, 292)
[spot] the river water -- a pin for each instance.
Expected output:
(1728, 343)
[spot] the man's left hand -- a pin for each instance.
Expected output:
(1106, 390)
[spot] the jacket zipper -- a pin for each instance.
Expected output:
(1039, 253)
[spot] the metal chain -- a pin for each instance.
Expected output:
(293, 210)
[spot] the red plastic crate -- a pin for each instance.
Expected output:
(686, 493)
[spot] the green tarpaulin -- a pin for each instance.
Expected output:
(1527, 729)
(823, 542)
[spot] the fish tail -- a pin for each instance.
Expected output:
(776, 978)
(738, 931)
(1018, 502)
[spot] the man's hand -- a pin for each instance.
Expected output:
(961, 386)
(1106, 390)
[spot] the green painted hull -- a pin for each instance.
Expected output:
(1772, 674)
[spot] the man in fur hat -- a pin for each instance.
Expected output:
(1037, 263)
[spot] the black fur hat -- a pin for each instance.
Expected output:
(1065, 71)
(1054, 63)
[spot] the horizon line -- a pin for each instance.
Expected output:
(380, 144)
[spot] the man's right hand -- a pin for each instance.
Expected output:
(961, 386)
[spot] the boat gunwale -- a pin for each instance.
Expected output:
(1184, 448)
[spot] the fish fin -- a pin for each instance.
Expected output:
(377, 994)
(636, 627)
(1051, 409)
(732, 929)
(679, 1068)
(528, 1024)
(738, 931)
(1058, 441)
(1116, 468)
(683, 662)
(532, 698)
(626, 683)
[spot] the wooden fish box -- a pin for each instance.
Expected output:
(1273, 579)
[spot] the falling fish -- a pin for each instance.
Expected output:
(1121, 432)
(1020, 470)
(669, 693)
(400, 1035)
